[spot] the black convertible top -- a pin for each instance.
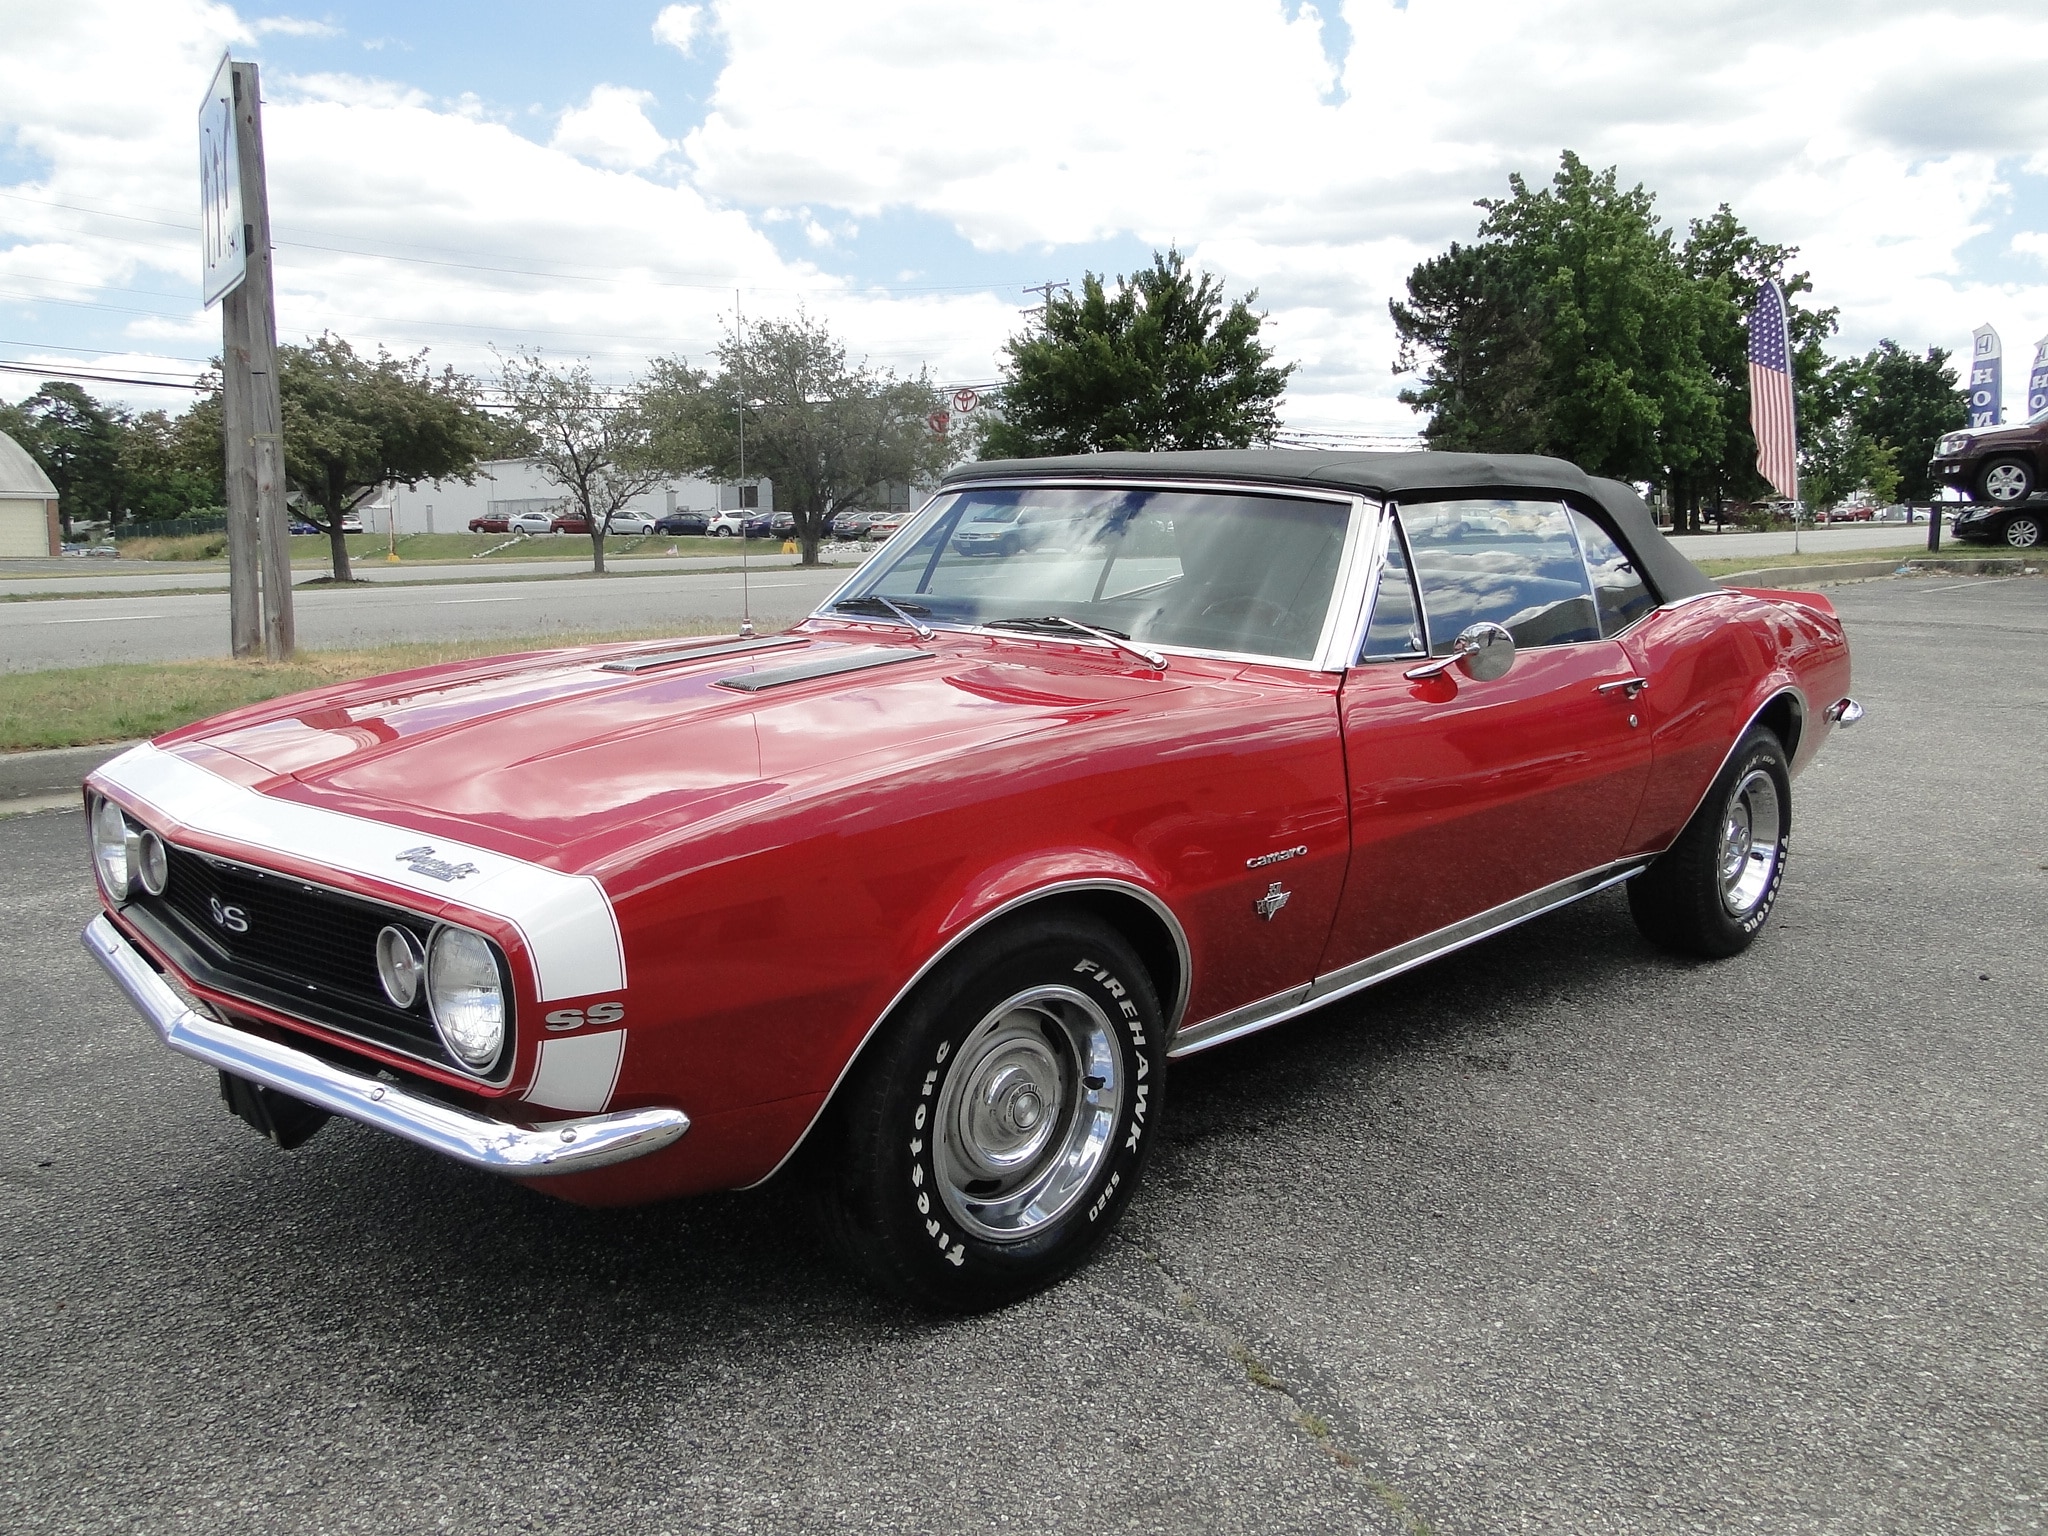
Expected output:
(1394, 475)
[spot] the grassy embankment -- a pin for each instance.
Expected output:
(76, 706)
(313, 548)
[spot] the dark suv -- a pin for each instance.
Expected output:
(2002, 470)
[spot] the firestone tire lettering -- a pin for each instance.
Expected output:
(878, 1172)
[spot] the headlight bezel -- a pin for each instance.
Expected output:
(474, 1042)
(114, 857)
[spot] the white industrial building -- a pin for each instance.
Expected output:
(28, 504)
(519, 485)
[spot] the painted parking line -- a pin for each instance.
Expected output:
(457, 602)
(1988, 581)
(110, 618)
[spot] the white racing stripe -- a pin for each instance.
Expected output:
(578, 1073)
(566, 920)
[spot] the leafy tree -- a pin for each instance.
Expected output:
(77, 441)
(1906, 403)
(597, 444)
(352, 425)
(172, 466)
(1160, 364)
(827, 433)
(1474, 314)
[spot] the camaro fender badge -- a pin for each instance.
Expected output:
(596, 1013)
(1276, 858)
(421, 861)
(1276, 897)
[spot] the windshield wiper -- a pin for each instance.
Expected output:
(903, 611)
(1114, 637)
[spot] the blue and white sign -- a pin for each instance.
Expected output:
(223, 261)
(1987, 378)
(2037, 381)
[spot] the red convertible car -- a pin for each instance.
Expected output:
(930, 888)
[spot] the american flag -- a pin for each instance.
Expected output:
(1770, 392)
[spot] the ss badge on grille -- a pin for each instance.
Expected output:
(234, 919)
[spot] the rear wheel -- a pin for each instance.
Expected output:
(1711, 892)
(2023, 531)
(993, 1132)
(2006, 481)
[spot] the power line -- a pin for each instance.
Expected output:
(1046, 291)
(97, 378)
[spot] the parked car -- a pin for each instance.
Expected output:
(1845, 513)
(848, 525)
(883, 525)
(727, 525)
(568, 522)
(781, 525)
(530, 522)
(2018, 527)
(627, 524)
(684, 522)
(927, 890)
(1996, 466)
(490, 522)
(300, 526)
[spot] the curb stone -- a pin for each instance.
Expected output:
(58, 771)
(1862, 570)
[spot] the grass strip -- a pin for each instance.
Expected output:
(1903, 553)
(78, 706)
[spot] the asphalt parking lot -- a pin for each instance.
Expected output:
(1556, 1235)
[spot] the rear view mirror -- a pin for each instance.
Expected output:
(1485, 651)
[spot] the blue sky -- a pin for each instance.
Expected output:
(596, 182)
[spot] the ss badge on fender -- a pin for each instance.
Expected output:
(596, 1013)
(1276, 897)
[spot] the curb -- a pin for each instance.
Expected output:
(58, 771)
(1794, 576)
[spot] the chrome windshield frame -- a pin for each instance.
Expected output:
(1355, 563)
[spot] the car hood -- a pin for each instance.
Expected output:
(561, 759)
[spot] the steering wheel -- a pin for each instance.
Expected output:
(1257, 612)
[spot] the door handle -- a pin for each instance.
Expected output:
(1631, 685)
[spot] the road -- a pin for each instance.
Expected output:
(1556, 1235)
(85, 631)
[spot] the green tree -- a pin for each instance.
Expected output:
(172, 466)
(1163, 363)
(77, 441)
(1474, 315)
(1906, 403)
(353, 425)
(825, 432)
(596, 443)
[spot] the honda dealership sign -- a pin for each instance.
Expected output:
(223, 259)
(1987, 378)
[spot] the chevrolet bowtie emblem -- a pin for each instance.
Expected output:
(1275, 898)
(421, 861)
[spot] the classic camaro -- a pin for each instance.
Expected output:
(929, 888)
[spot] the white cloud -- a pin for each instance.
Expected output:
(2031, 243)
(679, 26)
(612, 128)
(293, 26)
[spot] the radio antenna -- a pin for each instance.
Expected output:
(740, 490)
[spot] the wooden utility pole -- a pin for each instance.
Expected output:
(259, 540)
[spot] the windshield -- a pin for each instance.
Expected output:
(1199, 570)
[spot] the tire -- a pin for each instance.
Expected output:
(2005, 481)
(2023, 531)
(1710, 893)
(994, 1130)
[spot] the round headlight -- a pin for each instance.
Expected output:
(401, 962)
(151, 863)
(467, 997)
(110, 848)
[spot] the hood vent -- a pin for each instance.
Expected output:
(821, 666)
(699, 652)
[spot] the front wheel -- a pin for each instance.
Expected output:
(1711, 892)
(2023, 532)
(994, 1131)
(2006, 481)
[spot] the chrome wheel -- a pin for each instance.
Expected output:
(1028, 1113)
(2023, 532)
(1750, 828)
(2007, 482)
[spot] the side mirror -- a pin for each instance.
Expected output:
(1484, 650)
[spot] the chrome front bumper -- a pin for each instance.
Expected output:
(498, 1146)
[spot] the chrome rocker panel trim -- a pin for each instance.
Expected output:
(1403, 957)
(496, 1146)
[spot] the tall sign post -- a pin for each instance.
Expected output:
(235, 250)
(1987, 378)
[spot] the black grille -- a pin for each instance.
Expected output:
(303, 949)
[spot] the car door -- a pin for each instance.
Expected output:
(1469, 795)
